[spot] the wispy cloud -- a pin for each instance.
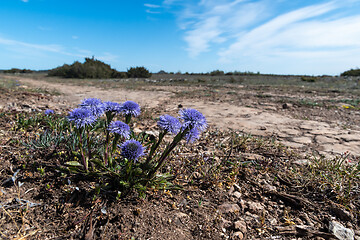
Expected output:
(151, 5)
(25, 1)
(152, 12)
(259, 32)
(37, 49)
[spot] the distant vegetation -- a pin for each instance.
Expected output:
(91, 68)
(351, 72)
(138, 72)
(213, 73)
(17, 70)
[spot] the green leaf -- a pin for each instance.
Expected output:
(97, 162)
(74, 164)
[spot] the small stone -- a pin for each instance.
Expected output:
(238, 235)
(225, 223)
(269, 188)
(262, 128)
(340, 231)
(228, 207)
(255, 207)
(241, 226)
(301, 162)
(237, 194)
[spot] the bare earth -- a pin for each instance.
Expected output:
(323, 134)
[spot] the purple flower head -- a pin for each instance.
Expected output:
(193, 119)
(49, 111)
(132, 150)
(118, 127)
(130, 108)
(111, 107)
(81, 117)
(95, 105)
(192, 135)
(169, 124)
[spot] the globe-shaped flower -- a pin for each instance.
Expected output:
(49, 112)
(130, 108)
(192, 135)
(169, 124)
(132, 150)
(193, 119)
(118, 127)
(111, 107)
(95, 105)
(81, 117)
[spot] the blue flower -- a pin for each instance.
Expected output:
(120, 128)
(169, 124)
(130, 108)
(95, 105)
(81, 117)
(49, 111)
(192, 135)
(111, 107)
(132, 150)
(193, 119)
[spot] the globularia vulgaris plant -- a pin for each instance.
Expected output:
(107, 147)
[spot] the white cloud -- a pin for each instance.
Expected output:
(25, 1)
(255, 36)
(152, 12)
(37, 49)
(151, 5)
(212, 22)
(299, 35)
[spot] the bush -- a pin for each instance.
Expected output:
(138, 72)
(17, 70)
(216, 73)
(309, 79)
(351, 72)
(91, 68)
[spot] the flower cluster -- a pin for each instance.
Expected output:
(49, 112)
(82, 117)
(132, 150)
(120, 128)
(193, 122)
(95, 105)
(130, 108)
(169, 124)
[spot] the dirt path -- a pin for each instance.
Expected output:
(307, 135)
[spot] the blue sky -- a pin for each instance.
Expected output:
(270, 36)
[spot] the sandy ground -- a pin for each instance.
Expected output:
(307, 135)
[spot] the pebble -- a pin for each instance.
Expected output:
(340, 231)
(255, 207)
(228, 207)
(241, 226)
(238, 235)
(237, 194)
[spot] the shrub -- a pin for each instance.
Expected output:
(17, 70)
(216, 73)
(91, 68)
(309, 79)
(138, 72)
(351, 72)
